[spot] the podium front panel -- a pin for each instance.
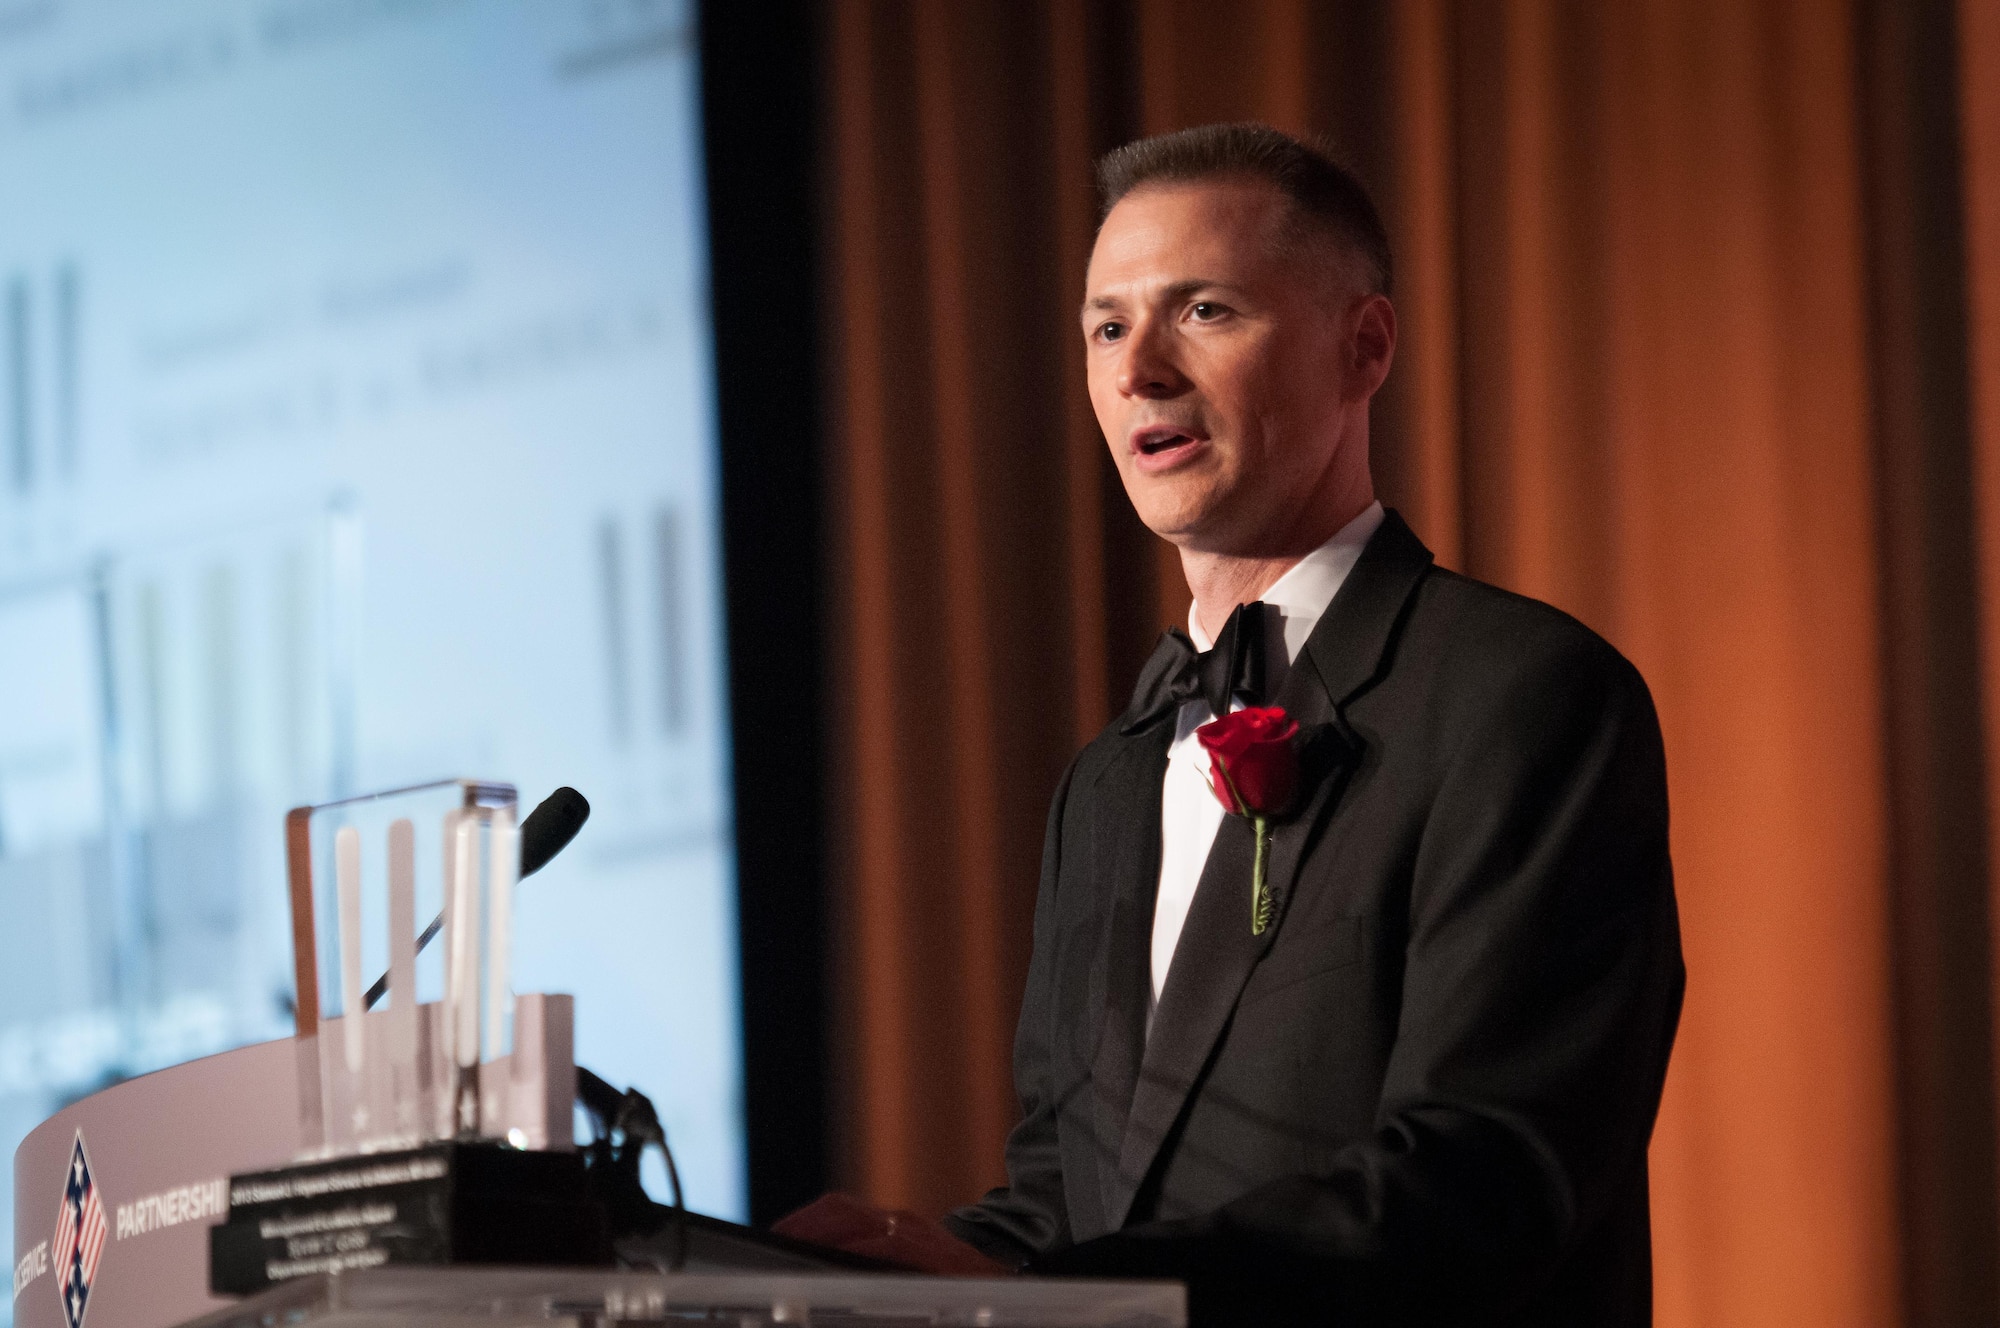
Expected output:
(153, 1156)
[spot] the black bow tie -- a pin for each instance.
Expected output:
(1177, 674)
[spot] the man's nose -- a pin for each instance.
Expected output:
(1149, 368)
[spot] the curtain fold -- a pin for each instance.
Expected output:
(984, 556)
(1676, 283)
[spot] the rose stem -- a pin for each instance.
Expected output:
(1257, 919)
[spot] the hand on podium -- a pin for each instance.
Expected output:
(900, 1238)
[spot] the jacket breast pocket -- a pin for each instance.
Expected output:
(1334, 944)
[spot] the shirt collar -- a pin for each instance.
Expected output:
(1301, 595)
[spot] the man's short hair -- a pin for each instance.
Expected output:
(1325, 194)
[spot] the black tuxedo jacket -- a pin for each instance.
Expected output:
(1424, 1094)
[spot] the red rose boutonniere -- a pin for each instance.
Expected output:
(1255, 755)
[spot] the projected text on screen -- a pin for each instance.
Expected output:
(355, 429)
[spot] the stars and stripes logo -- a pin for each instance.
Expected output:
(80, 1233)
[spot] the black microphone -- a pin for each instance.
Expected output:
(550, 827)
(545, 833)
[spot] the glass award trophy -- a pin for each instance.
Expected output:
(434, 1105)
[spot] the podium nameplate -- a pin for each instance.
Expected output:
(445, 1203)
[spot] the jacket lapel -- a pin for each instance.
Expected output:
(1216, 951)
(1125, 852)
(1350, 644)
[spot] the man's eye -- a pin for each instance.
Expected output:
(1111, 332)
(1205, 310)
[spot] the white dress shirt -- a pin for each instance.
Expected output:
(1189, 812)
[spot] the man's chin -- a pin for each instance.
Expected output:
(1193, 529)
(1175, 530)
(1182, 514)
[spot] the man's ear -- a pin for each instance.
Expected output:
(1373, 346)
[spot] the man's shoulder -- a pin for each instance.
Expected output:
(1460, 623)
(1470, 655)
(1113, 746)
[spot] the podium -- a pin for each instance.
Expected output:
(381, 1298)
(160, 1148)
(416, 1164)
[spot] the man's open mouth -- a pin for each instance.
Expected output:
(1159, 440)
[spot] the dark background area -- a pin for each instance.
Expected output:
(758, 104)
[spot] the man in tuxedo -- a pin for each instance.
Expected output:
(1423, 1091)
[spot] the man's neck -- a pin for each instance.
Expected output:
(1221, 581)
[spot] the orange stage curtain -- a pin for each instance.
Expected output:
(1700, 312)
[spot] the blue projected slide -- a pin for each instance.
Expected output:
(356, 428)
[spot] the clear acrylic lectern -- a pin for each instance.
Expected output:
(496, 1297)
